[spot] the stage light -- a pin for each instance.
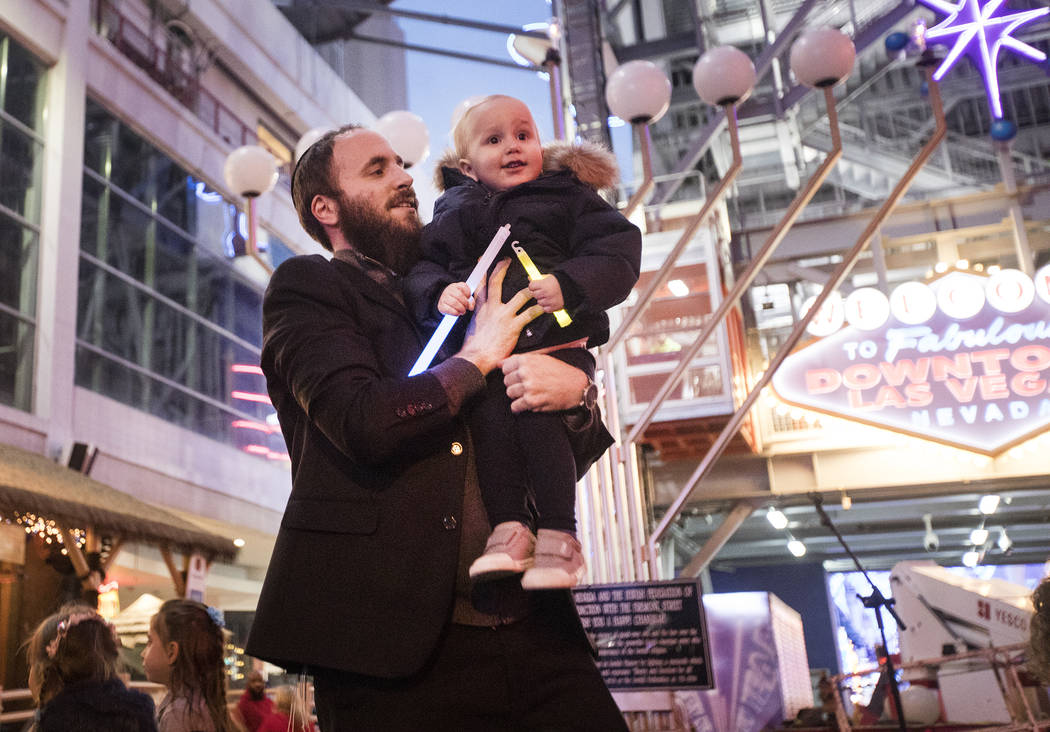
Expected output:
(776, 517)
(979, 536)
(797, 548)
(930, 540)
(1005, 542)
(988, 504)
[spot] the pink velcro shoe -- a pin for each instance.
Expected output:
(508, 551)
(559, 562)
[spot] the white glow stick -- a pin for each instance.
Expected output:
(445, 326)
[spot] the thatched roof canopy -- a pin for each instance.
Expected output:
(31, 483)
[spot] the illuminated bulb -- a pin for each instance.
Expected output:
(962, 264)
(678, 288)
(988, 504)
(978, 536)
(797, 548)
(940, 267)
(847, 502)
(238, 542)
(777, 518)
(994, 268)
(971, 558)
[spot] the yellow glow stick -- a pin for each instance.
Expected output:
(534, 274)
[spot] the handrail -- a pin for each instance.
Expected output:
(687, 234)
(745, 279)
(836, 279)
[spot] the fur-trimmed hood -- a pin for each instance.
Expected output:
(593, 164)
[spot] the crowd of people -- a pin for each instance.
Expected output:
(75, 678)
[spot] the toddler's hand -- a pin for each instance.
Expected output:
(547, 292)
(455, 299)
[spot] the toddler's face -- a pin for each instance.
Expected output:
(155, 659)
(504, 148)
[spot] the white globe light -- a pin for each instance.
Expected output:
(407, 134)
(250, 170)
(921, 704)
(461, 109)
(724, 75)
(822, 57)
(309, 138)
(638, 91)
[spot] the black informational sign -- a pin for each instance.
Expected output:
(650, 635)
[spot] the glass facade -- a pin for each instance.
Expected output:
(22, 101)
(166, 323)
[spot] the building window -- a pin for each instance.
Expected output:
(166, 323)
(22, 98)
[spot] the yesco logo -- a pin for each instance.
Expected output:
(963, 359)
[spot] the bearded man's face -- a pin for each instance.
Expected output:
(373, 229)
(378, 210)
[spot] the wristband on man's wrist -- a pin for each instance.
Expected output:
(589, 397)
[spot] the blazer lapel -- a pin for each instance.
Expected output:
(372, 290)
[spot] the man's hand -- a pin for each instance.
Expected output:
(455, 299)
(540, 383)
(494, 329)
(547, 292)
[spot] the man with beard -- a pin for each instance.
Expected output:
(254, 706)
(367, 589)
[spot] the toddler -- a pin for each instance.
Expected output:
(589, 255)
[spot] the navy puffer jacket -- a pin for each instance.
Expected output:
(567, 229)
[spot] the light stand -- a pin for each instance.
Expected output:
(251, 170)
(875, 601)
(639, 92)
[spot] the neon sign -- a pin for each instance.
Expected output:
(980, 32)
(963, 360)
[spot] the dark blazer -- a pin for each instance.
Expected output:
(364, 567)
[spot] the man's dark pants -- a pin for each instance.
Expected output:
(529, 675)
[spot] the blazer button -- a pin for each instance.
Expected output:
(456, 449)
(449, 522)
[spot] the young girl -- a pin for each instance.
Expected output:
(185, 654)
(73, 662)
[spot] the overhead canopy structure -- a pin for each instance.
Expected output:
(31, 483)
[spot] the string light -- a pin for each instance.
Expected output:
(47, 529)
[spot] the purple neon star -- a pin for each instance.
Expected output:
(979, 33)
